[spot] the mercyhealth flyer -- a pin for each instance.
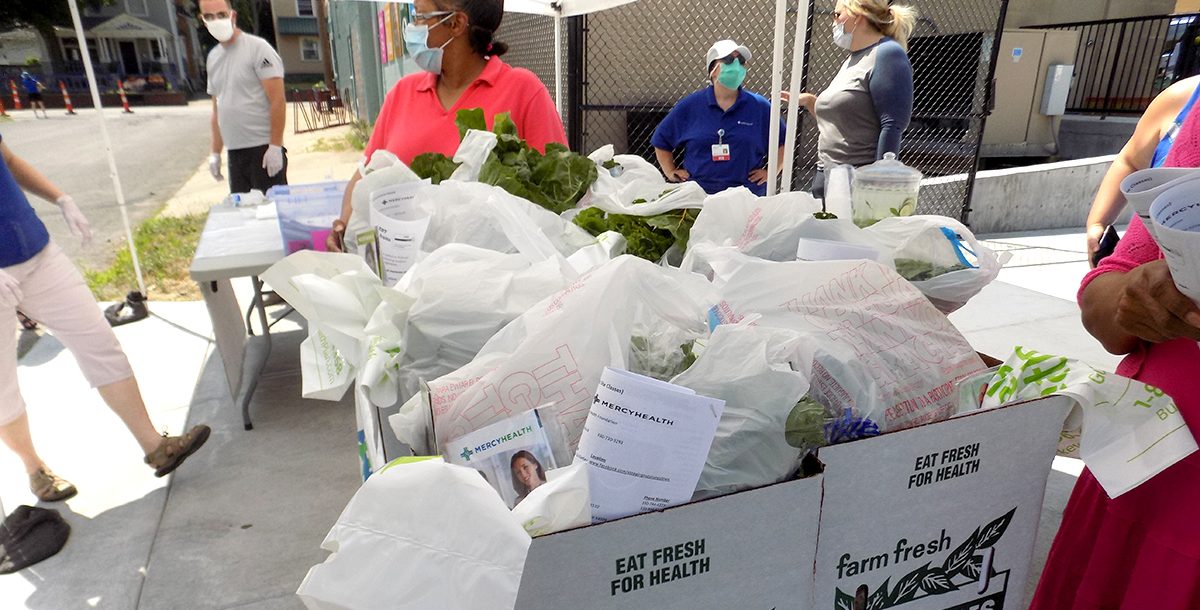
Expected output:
(513, 455)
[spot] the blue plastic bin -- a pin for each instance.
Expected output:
(306, 212)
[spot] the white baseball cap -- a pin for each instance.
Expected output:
(724, 48)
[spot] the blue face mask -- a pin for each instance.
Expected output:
(416, 42)
(732, 75)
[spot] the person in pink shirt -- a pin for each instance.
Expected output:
(1142, 549)
(451, 41)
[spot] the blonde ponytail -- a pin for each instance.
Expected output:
(896, 21)
(903, 20)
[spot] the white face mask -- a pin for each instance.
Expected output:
(221, 29)
(841, 37)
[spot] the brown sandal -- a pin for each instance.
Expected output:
(49, 487)
(173, 450)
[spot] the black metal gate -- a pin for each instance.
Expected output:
(626, 68)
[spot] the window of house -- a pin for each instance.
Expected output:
(137, 7)
(310, 49)
(156, 50)
(304, 8)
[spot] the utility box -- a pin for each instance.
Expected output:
(1058, 86)
(1018, 125)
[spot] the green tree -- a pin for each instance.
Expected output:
(43, 15)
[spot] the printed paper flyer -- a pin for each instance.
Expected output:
(512, 455)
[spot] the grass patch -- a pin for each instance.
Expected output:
(356, 139)
(360, 134)
(166, 245)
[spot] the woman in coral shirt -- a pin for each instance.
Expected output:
(451, 41)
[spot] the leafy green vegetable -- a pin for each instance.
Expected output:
(556, 180)
(647, 237)
(468, 119)
(805, 424)
(434, 166)
(824, 215)
(610, 164)
(645, 360)
(918, 271)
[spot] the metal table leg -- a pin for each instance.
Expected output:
(259, 304)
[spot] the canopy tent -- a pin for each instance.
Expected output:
(549, 8)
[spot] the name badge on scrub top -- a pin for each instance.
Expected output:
(720, 150)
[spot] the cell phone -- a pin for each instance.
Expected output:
(1108, 243)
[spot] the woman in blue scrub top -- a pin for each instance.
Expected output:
(723, 129)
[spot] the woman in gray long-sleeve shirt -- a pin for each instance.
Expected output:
(867, 106)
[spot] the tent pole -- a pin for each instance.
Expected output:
(776, 87)
(793, 122)
(112, 160)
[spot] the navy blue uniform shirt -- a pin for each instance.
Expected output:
(22, 233)
(693, 123)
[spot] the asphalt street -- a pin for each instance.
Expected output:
(157, 150)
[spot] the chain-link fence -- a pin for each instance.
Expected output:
(530, 40)
(628, 66)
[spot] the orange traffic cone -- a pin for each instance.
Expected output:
(66, 98)
(12, 84)
(2, 111)
(124, 100)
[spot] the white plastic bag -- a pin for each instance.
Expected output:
(472, 152)
(383, 169)
(625, 311)
(336, 294)
(750, 368)
(764, 227)
(635, 187)
(928, 245)
(420, 535)
(1124, 430)
(490, 217)
(561, 503)
(450, 304)
(884, 357)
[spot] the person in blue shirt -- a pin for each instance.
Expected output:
(723, 129)
(38, 278)
(33, 90)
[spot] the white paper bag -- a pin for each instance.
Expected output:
(1124, 430)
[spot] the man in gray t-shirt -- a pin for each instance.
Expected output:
(245, 80)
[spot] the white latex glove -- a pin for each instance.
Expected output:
(273, 160)
(214, 166)
(10, 290)
(76, 221)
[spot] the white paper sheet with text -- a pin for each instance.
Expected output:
(1175, 216)
(399, 229)
(645, 442)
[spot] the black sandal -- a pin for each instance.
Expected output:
(132, 309)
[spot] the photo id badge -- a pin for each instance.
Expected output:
(720, 152)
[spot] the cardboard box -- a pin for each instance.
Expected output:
(942, 516)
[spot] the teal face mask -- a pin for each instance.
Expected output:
(732, 75)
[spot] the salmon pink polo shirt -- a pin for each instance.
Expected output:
(413, 120)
